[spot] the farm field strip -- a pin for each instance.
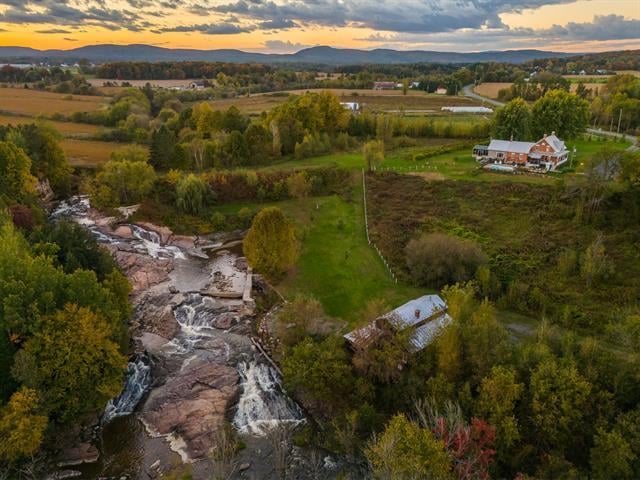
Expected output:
(30, 102)
(89, 153)
(65, 128)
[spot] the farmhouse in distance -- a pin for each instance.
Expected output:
(548, 153)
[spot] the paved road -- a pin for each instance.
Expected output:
(468, 92)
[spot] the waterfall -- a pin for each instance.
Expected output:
(149, 242)
(136, 384)
(263, 402)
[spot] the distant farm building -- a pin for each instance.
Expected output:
(425, 317)
(467, 109)
(197, 85)
(351, 106)
(384, 85)
(549, 153)
(441, 91)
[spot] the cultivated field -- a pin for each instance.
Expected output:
(22, 101)
(88, 153)
(67, 129)
(371, 100)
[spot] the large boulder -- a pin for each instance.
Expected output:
(192, 404)
(143, 271)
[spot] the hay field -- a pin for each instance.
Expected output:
(371, 100)
(65, 128)
(89, 153)
(22, 101)
(491, 89)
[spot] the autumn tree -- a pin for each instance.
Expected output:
(271, 246)
(611, 456)
(16, 182)
(299, 185)
(405, 451)
(299, 318)
(513, 121)
(498, 396)
(561, 112)
(123, 182)
(163, 142)
(21, 426)
(373, 153)
(72, 362)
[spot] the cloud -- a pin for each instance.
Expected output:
(71, 39)
(53, 31)
(284, 47)
(221, 28)
(603, 27)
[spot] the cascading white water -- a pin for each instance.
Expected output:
(263, 402)
(136, 384)
(149, 242)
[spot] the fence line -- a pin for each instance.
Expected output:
(366, 228)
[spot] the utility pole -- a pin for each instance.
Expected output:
(619, 120)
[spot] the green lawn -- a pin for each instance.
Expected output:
(337, 265)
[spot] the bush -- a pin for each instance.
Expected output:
(436, 259)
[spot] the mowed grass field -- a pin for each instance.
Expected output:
(89, 153)
(67, 129)
(370, 100)
(22, 101)
(334, 253)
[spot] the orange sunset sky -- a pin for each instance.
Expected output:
(285, 26)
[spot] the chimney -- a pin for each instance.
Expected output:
(553, 133)
(545, 135)
(417, 312)
(511, 137)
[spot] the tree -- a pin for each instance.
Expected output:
(436, 259)
(299, 318)
(498, 394)
(373, 152)
(163, 142)
(299, 185)
(611, 456)
(406, 451)
(123, 182)
(42, 144)
(559, 401)
(233, 120)
(191, 194)
(271, 246)
(72, 362)
(561, 112)
(594, 264)
(320, 374)
(235, 149)
(259, 143)
(513, 121)
(16, 182)
(21, 426)
(130, 153)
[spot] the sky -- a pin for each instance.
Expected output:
(285, 26)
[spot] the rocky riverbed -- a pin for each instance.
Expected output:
(194, 366)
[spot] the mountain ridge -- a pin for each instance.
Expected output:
(315, 55)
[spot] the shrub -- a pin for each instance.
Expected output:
(436, 259)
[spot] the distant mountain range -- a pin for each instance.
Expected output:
(313, 55)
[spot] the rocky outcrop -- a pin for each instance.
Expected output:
(78, 454)
(143, 271)
(191, 405)
(165, 233)
(154, 313)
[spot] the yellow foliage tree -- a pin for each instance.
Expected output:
(21, 427)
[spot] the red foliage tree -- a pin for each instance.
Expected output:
(22, 216)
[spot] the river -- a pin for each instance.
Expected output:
(193, 365)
